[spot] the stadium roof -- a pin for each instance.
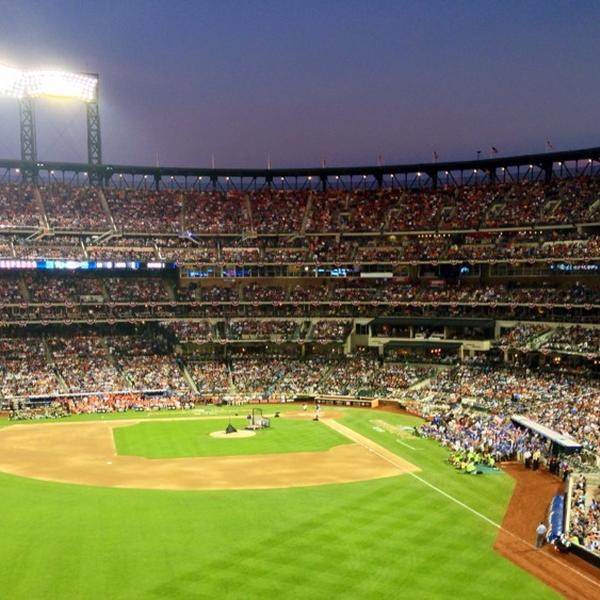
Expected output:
(543, 161)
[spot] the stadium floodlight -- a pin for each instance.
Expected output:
(60, 84)
(52, 83)
(11, 82)
(27, 85)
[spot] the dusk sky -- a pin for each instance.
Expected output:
(303, 81)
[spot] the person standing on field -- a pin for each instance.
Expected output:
(540, 534)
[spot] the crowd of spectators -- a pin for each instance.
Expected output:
(191, 331)
(130, 289)
(522, 335)
(395, 378)
(211, 377)
(145, 211)
(55, 247)
(72, 207)
(187, 249)
(326, 331)
(18, 207)
(84, 364)
(279, 330)
(146, 363)
(584, 521)
(24, 369)
(447, 208)
(87, 295)
(308, 251)
(573, 339)
(278, 211)
(205, 212)
(477, 439)
(569, 404)
(126, 248)
(10, 292)
(277, 377)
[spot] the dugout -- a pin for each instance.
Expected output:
(561, 444)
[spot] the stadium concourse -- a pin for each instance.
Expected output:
(463, 304)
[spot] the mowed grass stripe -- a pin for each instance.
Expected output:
(186, 438)
(355, 539)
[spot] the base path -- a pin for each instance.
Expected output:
(84, 453)
(566, 573)
(403, 466)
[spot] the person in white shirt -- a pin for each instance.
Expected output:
(540, 534)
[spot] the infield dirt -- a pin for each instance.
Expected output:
(84, 453)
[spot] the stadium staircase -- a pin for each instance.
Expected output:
(447, 213)
(422, 383)
(23, 289)
(40, 204)
(127, 379)
(538, 341)
(301, 331)
(50, 360)
(12, 250)
(220, 330)
(182, 215)
(549, 209)
(594, 207)
(249, 212)
(188, 378)
(106, 209)
(307, 214)
(170, 287)
(311, 329)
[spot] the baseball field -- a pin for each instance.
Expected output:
(142, 506)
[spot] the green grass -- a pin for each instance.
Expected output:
(388, 538)
(174, 439)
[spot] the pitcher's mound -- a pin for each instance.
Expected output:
(236, 434)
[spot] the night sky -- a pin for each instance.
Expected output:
(344, 81)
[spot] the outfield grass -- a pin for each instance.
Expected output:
(175, 439)
(388, 538)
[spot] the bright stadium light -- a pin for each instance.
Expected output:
(18, 83)
(28, 85)
(11, 82)
(59, 84)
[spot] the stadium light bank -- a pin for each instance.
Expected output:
(27, 85)
(50, 83)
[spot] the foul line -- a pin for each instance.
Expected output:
(405, 444)
(477, 513)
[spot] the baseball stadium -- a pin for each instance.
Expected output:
(377, 381)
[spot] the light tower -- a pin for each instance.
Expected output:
(52, 83)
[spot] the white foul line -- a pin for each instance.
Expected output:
(480, 515)
(405, 444)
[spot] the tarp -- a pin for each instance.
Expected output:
(556, 518)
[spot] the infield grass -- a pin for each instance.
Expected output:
(175, 439)
(389, 538)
